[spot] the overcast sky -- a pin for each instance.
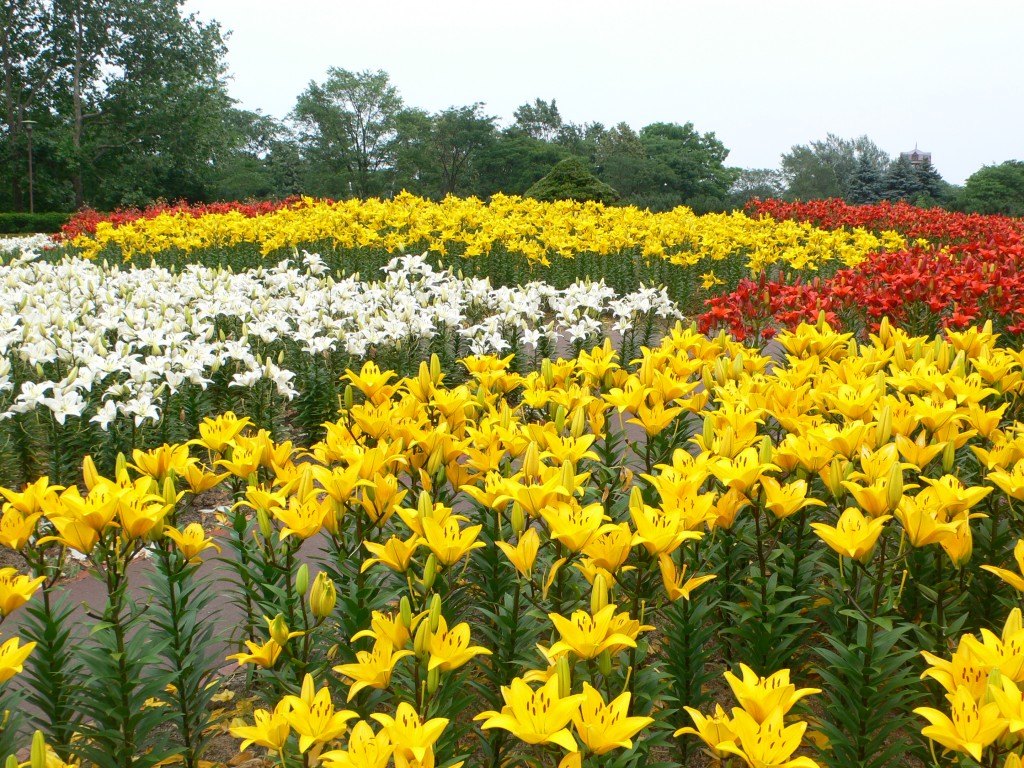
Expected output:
(946, 75)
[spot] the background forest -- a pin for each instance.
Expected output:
(125, 103)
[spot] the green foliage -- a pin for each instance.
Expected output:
(828, 168)
(31, 223)
(571, 179)
(52, 670)
(191, 656)
(995, 189)
(870, 687)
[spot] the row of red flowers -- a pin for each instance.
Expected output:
(933, 224)
(85, 220)
(921, 288)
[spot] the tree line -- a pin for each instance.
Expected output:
(125, 103)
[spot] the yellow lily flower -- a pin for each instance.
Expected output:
(449, 542)
(741, 472)
(536, 717)
(610, 549)
(372, 668)
(966, 669)
(1005, 653)
(73, 533)
(312, 716)
(389, 626)
(524, 554)
(302, 518)
(1015, 580)
(217, 433)
(372, 382)
(675, 586)
(16, 589)
(29, 500)
(960, 546)
(714, 730)
(654, 418)
(767, 743)
(158, 463)
(921, 521)
(381, 497)
(191, 541)
(198, 479)
(413, 737)
(270, 729)
(1012, 482)
(450, 649)
(12, 657)
(264, 655)
(17, 527)
(604, 727)
(784, 501)
(243, 462)
(574, 525)
(364, 749)
(918, 452)
(587, 636)
(954, 496)
(972, 727)
(395, 553)
(140, 514)
(661, 531)
(853, 535)
(761, 696)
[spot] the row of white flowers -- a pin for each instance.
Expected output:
(74, 331)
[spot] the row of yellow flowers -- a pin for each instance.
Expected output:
(613, 494)
(539, 231)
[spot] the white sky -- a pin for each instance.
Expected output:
(947, 75)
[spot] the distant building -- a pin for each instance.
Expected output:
(916, 157)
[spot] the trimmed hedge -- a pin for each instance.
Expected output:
(32, 223)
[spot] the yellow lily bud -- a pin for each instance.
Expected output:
(349, 398)
(405, 611)
(89, 472)
(546, 371)
(598, 594)
(894, 486)
(737, 365)
(430, 571)
(434, 617)
(121, 465)
(424, 506)
(433, 680)
(883, 429)
(323, 596)
(560, 419)
(263, 521)
(579, 422)
(12, 762)
(279, 630)
(531, 461)
(708, 432)
(604, 662)
(835, 478)
(421, 643)
(765, 450)
(569, 475)
(564, 674)
(170, 494)
(38, 754)
(949, 457)
(302, 580)
(518, 519)
(435, 368)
